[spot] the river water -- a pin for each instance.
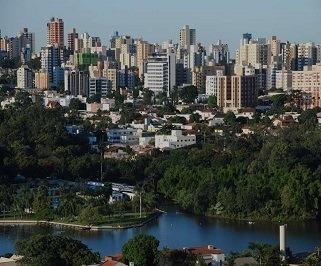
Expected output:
(175, 229)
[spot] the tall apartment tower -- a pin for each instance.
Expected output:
(55, 32)
(187, 37)
(307, 55)
(236, 92)
(50, 58)
(72, 38)
(160, 73)
(24, 77)
(76, 82)
(27, 39)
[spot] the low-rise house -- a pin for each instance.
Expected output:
(174, 141)
(210, 254)
(123, 136)
(52, 104)
(205, 114)
(115, 117)
(105, 105)
(7, 102)
(116, 196)
(12, 261)
(114, 260)
(217, 120)
(246, 112)
(115, 153)
(186, 116)
(146, 141)
(284, 121)
(319, 117)
(244, 261)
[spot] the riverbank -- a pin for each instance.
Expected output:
(120, 225)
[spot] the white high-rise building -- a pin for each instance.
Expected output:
(212, 83)
(161, 72)
(24, 77)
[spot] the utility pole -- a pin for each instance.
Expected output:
(101, 156)
(140, 204)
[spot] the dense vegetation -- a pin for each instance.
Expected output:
(53, 250)
(272, 173)
(256, 176)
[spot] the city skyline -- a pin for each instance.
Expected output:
(212, 21)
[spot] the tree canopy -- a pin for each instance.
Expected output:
(54, 250)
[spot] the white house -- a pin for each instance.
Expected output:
(174, 141)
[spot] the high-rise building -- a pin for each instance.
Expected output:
(283, 79)
(236, 92)
(160, 74)
(24, 77)
(85, 58)
(212, 84)
(307, 55)
(27, 39)
(144, 50)
(112, 76)
(199, 75)
(308, 82)
(246, 38)
(98, 86)
(50, 58)
(187, 37)
(72, 38)
(55, 32)
(42, 80)
(126, 79)
(275, 46)
(289, 54)
(220, 52)
(77, 82)
(13, 47)
(253, 53)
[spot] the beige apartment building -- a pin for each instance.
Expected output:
(236, 92)
(308, 81)
(253, 54)
(111, 75)
(199, 75)
(42, 80)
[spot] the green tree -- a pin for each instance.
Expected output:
(265, 254)
(230, 118)
(314, 259)
(142, 250)
(188, 94)
(89, 215)
(41, 203)
(76, 104)
(212, 101)
(54, 251)
(195, 118)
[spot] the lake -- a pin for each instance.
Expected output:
(175, 229)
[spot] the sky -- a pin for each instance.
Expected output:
(158, 21)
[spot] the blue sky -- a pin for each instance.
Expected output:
(156, 21)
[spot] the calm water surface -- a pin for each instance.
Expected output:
(175, 229)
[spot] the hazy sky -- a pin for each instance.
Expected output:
(157, 21)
